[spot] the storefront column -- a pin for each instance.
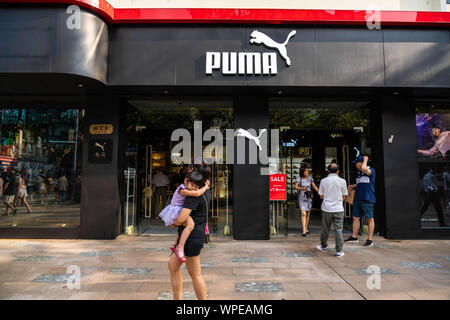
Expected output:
(251, 189)
(400, 167)
(100, 203)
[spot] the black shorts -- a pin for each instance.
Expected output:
(193, 246)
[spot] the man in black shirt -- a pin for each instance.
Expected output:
(10, 190)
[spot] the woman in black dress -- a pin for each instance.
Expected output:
(197, 208)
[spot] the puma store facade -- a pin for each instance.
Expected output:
(91, 93)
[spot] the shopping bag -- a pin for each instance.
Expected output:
(351, 196)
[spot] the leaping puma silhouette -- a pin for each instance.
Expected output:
(259, 37)
(100, 146)
(248, 135)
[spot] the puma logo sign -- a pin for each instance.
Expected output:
(248, 135)
(100, 146)
(261, 38)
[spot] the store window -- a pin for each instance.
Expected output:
(314, 134)
(40, 167)
(150, 124)
(433, 144)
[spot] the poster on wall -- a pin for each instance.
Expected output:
(277, 187)
(433, 148)
(433, 135)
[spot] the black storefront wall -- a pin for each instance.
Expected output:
(250, 188)
(40, 56)
(100, 202)
(400, 167)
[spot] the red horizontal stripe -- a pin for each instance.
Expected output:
(264, 16)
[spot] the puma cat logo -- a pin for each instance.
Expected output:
(261, 38)
(248, 135)
(98, 145)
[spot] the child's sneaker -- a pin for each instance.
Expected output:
(340, 254)
(320, 248)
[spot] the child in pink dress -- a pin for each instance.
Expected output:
(171, 212)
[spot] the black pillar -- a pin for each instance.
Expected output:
(400, 167)
(251, 189)
(100, 203)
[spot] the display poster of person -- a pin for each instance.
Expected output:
(433, 135)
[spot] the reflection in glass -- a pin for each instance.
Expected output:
(40, 165)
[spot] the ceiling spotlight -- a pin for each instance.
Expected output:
(80, 85)
(395, 92)
(166, 91)
(280, 92)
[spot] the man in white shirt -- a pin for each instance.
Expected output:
(333, 191)
(161, 184)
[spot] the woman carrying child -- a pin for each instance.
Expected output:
(171, 212)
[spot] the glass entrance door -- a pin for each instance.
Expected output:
(221, 215)
(150, 126)
(279, 209)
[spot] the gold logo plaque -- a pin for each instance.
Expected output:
(101, 129)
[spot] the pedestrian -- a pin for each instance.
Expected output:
(22, 194)
(1, 181)
(197, 208)
(432, 196)
(364, 199)
(10, 190)
(63, 186)
(50, 186)
(333, 191)
(160, 184)
(305, 197)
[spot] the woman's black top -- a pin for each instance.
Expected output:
(199, 207)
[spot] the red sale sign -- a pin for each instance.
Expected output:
(277, 186)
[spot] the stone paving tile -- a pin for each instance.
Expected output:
(259, 287)
(429, 294)
(93, 295)
(133, 271)
(102, 253)
(235, 296)
(298, 254)
(152, 249)
(382, 295)
(421, 265)
(335, 296)
(112, 286)
(130, 296)
(206, 265)
(341, 287)
(285, 296)
(383, 271)
(60, 278)
(250, 259)
(169, 296)
(33, 258)
(252, 271)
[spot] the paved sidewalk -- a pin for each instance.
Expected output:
(136, 268)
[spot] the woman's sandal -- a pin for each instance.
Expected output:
(177, 253)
